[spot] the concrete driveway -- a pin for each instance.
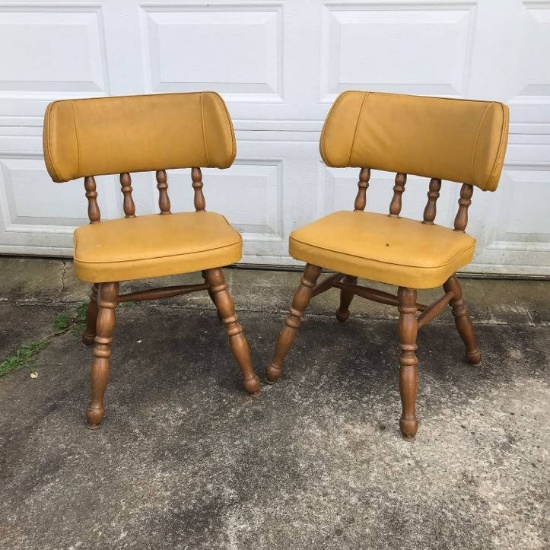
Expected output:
(185, 459)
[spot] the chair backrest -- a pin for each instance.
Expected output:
(453, 139)
(119, 135)
(113, 135)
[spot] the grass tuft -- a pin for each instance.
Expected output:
(65, 322)
(62, 322)
(23, 357)
(76, 321)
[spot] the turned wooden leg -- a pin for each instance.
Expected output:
(239, 346)
(408, 375)
(107, 301)
(211, 294)
(88, 335)
(302, 296)
(463, 321)
(346, 296)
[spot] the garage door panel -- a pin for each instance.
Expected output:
(293, 195)
(31, 198)
(513, 230)
(231, 49)
(529, 96)
(393, 48)
(57, 49)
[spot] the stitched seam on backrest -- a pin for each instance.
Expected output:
(233, 140)
(77, 142)
(324, 130)
(47, 141)
(230, 125)
(357, 126)
(502, 143)
(477, 139)
(204, 131)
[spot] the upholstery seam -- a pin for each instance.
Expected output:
(324, 130)
(389, 263)
(502, 143)
(47, 140)
(239, 237)
(157, 257)
(204, 131)
(357, 126)
(230, 122)
(477, 139)
(233, 138)
(76, 138)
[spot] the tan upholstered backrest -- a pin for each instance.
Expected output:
(110, 135)
(451, 139)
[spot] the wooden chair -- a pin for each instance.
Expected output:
(119, 135)
(458, 140)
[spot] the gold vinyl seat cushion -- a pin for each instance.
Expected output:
(154, 246)
(392, 250)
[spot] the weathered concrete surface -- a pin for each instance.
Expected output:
(185, 459)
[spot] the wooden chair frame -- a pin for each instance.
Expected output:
(104, 298)
(412, 315)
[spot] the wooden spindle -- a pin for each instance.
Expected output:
(94, 213)
(105, 325)
(239, 346)
(363, 185)
(162, 186)
(463, 320)
(302, 296)
(398, 188)
(196, 176)
(128, 204)
(408, 372)
(433, 194)
(461, 220)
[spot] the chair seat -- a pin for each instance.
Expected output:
(154, 246)
(392, 250)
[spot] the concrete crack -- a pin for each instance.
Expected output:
(63, 274)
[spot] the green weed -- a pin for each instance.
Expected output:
(62, 323)
(75, 321)
(23, 357)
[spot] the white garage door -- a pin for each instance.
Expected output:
(279, 65)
